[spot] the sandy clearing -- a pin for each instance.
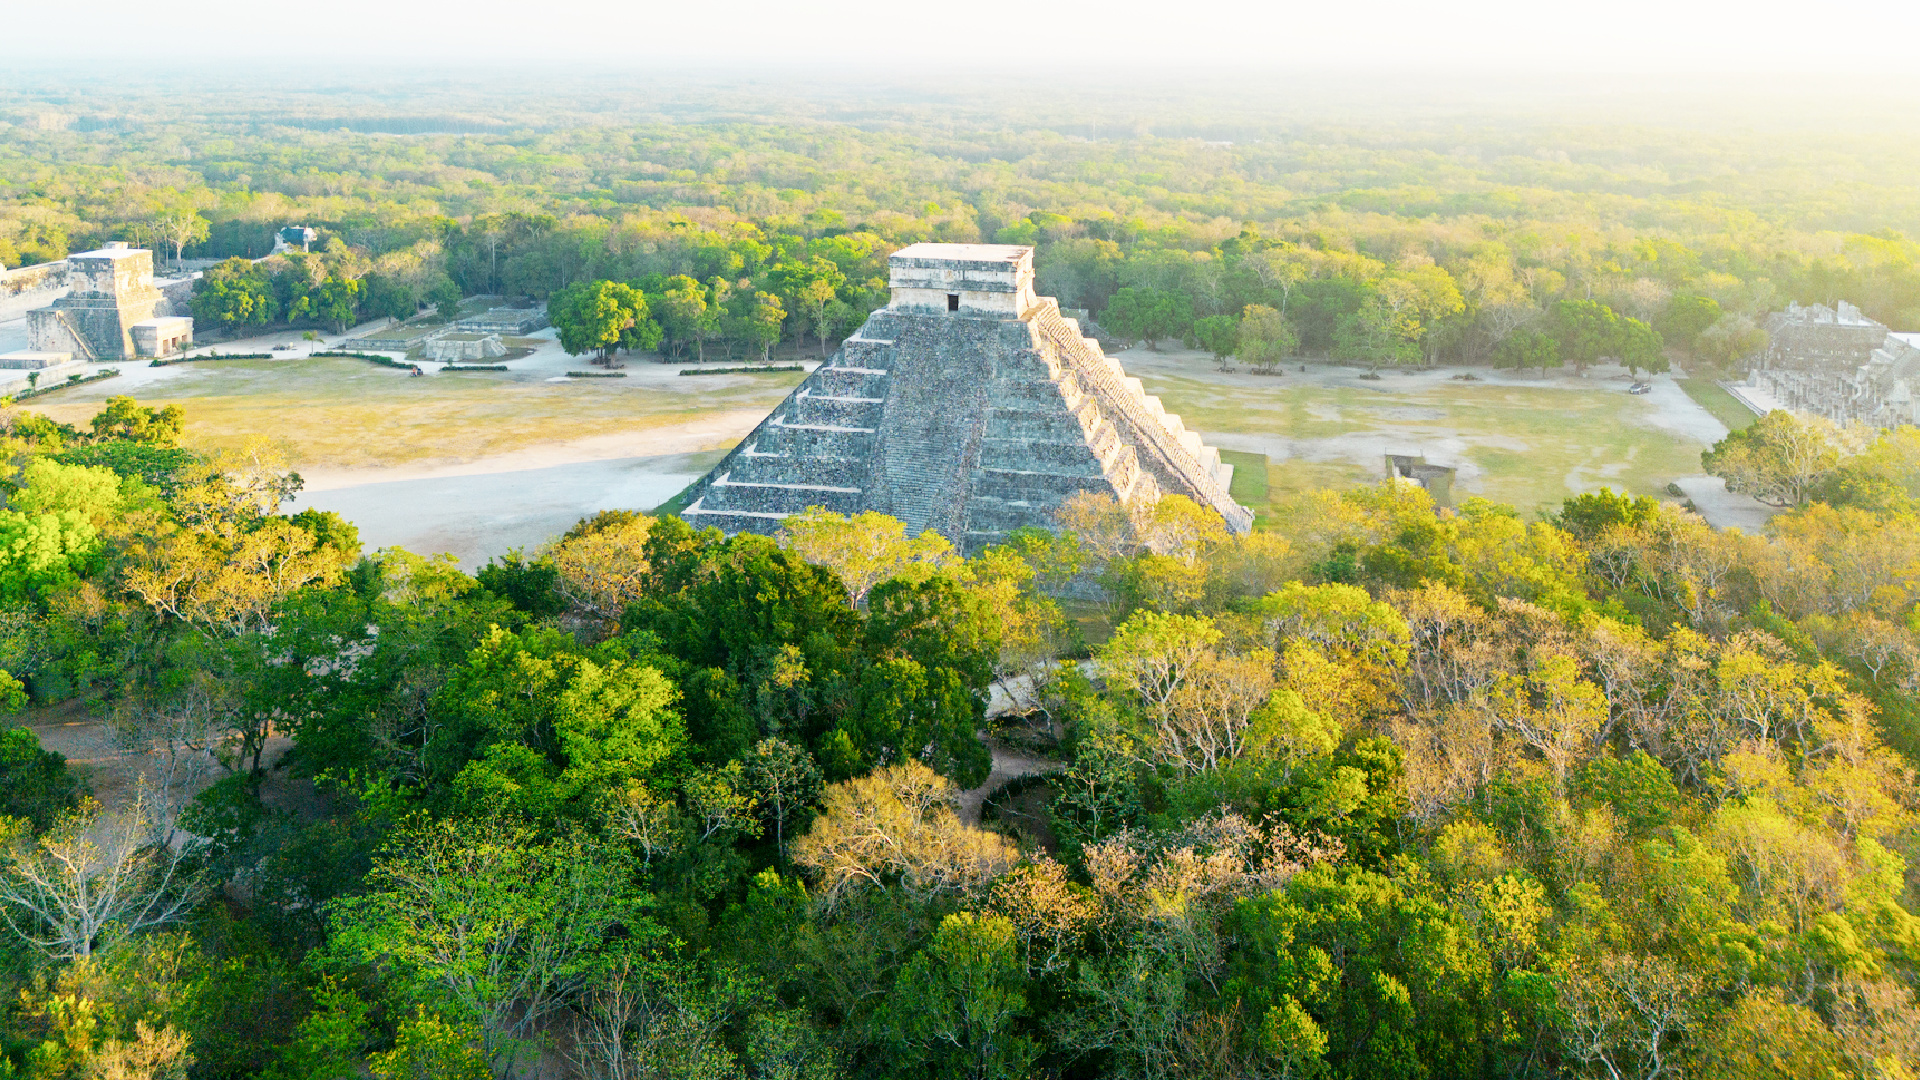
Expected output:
(476, 516)
(718, 431)
(114, 771)
(1724, 509)
(1009, 765)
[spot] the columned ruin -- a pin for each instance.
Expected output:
(1837, 363)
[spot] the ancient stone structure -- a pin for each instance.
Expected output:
(969, 406)
(24, 288)
(27, 369)
(164, 336)
(1839, 364)
(1414, 469)
(507, 320)
(108, 292)
(454, 348)
(285, 239)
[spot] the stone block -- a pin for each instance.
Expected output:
(162, 337)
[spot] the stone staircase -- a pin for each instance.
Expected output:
(1175, 458)
(82, 348)
(1046, 439)
(814, 450)
(970, 425)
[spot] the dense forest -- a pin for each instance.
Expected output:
(1381, 789)
(1416, 240)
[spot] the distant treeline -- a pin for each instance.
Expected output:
(1382, 244)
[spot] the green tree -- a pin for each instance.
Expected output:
(1424, 298)
(681, 309)
(1218, 334)
(327, 1044)
(956, 1004)
(34, 783)
(124, 418)
(233, 294)
(52, 532)
(784, 781)
(1391, 976)
(1127, 315)
(604, 717)
(1266, 337)
(1528, 347)
(1588, 516)
(498, 922)
(808, 289)
(1640, 348)
(445, 297)
(1378, 333)
(1684, 318)
(1169, 315)
(429, 1048)
(336, 301)
(388, 298)
(180, 225)
(760, 325)
(1778, 459)
(1730, 339)
(596, 315)
(1586, 329)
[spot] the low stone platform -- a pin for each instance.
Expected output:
(35, 359)
(20, 371)
(456, 347)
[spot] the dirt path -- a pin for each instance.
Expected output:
(113, 772)
(1009, 765)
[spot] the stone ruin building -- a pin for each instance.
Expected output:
(285, 239)
(113, 309)
(1839, 364)
(1437, 480)
(459, 348)
(968, 406)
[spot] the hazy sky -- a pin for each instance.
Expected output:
(1669, 37)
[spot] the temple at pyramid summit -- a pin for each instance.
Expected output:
(968, 406)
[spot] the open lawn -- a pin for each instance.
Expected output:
(1714, 398)
(351, 414)
(1249, 487)
(1530, 443)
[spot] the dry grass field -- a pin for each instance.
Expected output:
(350, 414)
(1517, 440)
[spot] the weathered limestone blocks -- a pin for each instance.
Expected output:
(455, 348)
(968, 406)
(163, 336)
(1837, 363)
(109, 292)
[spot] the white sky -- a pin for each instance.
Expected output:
(1392, 37)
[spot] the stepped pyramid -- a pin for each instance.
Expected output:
(967, 405)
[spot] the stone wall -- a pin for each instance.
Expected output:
(176, 297)
(29, 287)
(984, 278)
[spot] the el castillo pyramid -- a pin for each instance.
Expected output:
(967, 405)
